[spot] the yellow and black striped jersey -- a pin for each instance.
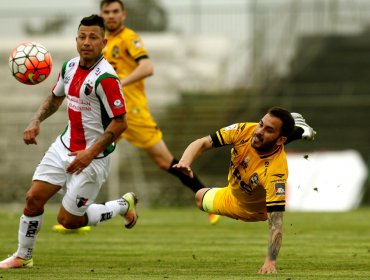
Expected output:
(124, 50)
(258, 182)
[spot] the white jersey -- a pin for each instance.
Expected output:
(94, 96)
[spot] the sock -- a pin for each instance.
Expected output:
(29, 225)
(97, 213)
(192, 183)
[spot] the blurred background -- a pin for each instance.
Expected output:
(216, 62)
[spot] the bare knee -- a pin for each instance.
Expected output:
(199, 197)
(34, 201)
(70, 221)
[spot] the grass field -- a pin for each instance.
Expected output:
(177, 243)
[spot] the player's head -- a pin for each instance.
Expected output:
(272, 130)
(114, 14)
(90, 39)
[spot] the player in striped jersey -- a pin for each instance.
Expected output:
(78, 161)
(257, 175)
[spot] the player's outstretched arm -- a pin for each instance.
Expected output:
(50, 105)
(275, 220)
(193, 151)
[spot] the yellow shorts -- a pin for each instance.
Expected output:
(221, 201)
(142, 132)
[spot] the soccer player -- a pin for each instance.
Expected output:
(126, 52)
(257, 175)
(78, 161)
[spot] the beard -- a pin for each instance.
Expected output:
(264, 146)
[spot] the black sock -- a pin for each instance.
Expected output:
(192, 183)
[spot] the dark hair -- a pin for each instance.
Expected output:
(93, 20)
(286, 119)
(107, 2)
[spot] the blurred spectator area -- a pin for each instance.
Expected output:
(215, 64)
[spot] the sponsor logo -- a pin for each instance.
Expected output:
(71, 64)
(106, 216)
(117, 103)
(97, 71)
(244, 164)
(32, 228)
(137, 44)
(67, 79)
(278, 175)
(81, 201)
(254, 180)
(231, 127)
(280, 188)
(115, 52)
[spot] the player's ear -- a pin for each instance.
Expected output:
(281, 140)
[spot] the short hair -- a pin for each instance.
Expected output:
(286, 119)
(93, 20)
(107, 2)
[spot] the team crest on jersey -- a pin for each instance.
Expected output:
(137, 44)
(280, 188)
(254, 180)
(115, 52)
(81, 201)
(88, 88)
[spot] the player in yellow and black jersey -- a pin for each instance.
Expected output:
(257, 175)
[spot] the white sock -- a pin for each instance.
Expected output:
(97, 213)
(28, 229)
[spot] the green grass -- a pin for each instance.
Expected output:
(177, 243)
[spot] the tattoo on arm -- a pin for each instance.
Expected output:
(48, 107)
(275, 220)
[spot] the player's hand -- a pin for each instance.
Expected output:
(268, 267)
(82, 160)
(31, 132)
(184, 167)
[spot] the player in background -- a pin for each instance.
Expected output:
(126, 52)
(78, 161)
(257, 175)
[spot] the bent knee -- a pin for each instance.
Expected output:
(199, 197)
(71, 222)
(34, 201)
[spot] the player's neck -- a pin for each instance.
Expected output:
(113, 33)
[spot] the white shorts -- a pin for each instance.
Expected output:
(80, 190)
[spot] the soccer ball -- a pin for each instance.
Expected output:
(30, 63)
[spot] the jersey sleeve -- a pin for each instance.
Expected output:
(58, 88)
(135, 47)
(275, 188)
(228, 135)
(109, 91)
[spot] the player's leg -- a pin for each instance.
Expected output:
(163, 158)
(78, 206)
(205, 203)
(30, 224)
(301, 129)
